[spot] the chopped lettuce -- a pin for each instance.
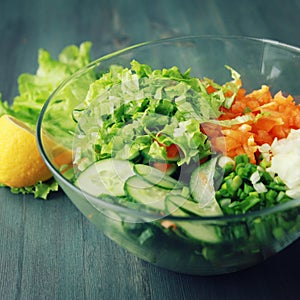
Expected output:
(129, 111)
(34, 90)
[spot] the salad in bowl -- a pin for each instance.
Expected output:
(194, 173)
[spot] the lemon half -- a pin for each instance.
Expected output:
(21, 164)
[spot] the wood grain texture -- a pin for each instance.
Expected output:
(48, 250)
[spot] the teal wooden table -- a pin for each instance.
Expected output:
(48, 250)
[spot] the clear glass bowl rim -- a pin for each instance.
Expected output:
(139, 213)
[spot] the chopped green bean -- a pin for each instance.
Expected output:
(278, 187)
(271, 195)
(248, 188)
(243, 158)
(238, 193)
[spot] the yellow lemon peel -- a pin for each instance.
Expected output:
(21, 164)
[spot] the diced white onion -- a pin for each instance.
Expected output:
(224, 160)
(260, 187)
(255, 177)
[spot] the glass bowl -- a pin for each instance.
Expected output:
(226, 243)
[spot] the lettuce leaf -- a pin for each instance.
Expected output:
(34, 90)
(4, 107)
(40, 190)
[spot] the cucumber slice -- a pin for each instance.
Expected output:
(202, 187)
(169, 168)
(155, 197)
(105, 177)
(157, 177)
(144, 192)
(199, 232)
(180, 206)
(190, 207)
(175, 207)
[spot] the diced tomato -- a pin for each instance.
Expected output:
(210, 89)
(272, 117)
(172, 151)
(263, 137)
(203, 160)
(228, 94)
